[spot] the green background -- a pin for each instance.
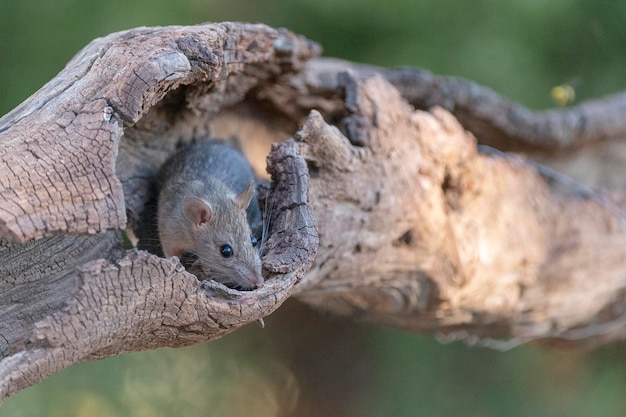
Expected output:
(303, 364)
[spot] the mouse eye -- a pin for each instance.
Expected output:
(253, 240)
(226, 251)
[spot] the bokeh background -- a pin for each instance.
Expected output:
(304, 364)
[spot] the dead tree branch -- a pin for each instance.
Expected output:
(492, 118)
(69, 299)
(378, 212)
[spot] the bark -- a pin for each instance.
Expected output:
(70, 181)
(377, 212)
(492, 118)
(420, 231)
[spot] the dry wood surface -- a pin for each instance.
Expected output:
(381, 207)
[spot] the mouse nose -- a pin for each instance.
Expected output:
(257, 280)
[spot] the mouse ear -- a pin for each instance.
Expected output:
(243, 198)
(197, 211)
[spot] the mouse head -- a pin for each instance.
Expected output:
(222, 239)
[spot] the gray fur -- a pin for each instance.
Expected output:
(214, 172)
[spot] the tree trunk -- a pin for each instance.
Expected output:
(377, 212)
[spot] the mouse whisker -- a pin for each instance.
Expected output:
(267, 215)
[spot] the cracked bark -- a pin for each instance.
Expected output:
(378, 212)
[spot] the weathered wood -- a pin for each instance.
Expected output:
(494, 119)
(70, 299)
(420, 231)
(377, 212)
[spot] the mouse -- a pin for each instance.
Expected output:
(207, 207)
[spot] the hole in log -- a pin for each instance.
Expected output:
(252, 126)
(314, 171)
(405, 240)
(451, 191)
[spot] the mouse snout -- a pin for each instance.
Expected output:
(257, 280)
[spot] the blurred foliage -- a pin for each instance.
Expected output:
(521, 48)
(301, 364)
(217, 381)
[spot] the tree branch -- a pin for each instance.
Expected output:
(492, 118)
(377, 212)
(62, 174)
(420, 231)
